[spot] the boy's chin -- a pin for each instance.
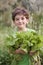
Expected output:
(20, 27)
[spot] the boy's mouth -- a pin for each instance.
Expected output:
(20, 24)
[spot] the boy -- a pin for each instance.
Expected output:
(20, 18)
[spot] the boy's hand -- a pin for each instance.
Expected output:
(19, 51)
(32, 52)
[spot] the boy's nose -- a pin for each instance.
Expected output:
(20, 20)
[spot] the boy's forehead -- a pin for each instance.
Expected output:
(19, 15)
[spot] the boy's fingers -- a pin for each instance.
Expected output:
(19, 51)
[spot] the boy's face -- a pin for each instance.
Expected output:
(20, 21)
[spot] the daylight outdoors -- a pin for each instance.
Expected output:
(8, 29)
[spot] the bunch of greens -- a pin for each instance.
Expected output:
(25, 41)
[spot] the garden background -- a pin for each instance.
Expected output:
(35, 9)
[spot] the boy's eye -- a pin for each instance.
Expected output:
(17, 19)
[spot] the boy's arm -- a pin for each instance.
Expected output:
(19, 51)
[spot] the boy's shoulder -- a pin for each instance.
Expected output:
(30, 30)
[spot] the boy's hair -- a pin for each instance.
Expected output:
(19, 10)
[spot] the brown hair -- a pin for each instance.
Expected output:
(19, 10)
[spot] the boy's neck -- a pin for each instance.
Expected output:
(22, 29)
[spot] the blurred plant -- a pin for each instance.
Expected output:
(5, 57)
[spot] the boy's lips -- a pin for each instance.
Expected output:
(20, 24)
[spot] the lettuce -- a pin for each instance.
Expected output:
(24, 40)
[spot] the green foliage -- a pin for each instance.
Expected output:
(8, 44)
(5, 20)
(37, 22)
(24, 40)
(5, 57)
